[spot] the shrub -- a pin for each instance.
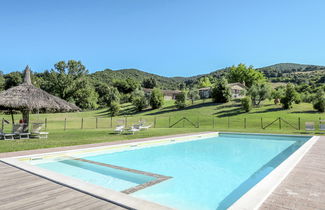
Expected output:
(180, 100)
(319, 102)
(156, 98)
(289, 96)
(114, 108)
(246, 104)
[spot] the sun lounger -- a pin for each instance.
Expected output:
(322, 126)
(6, 136)
(145, 127)
(310, 126)
(133, 129)
(37, 133)
(18, 131)
(119, 129)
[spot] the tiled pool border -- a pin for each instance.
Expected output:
(250, 200)
(159, 178)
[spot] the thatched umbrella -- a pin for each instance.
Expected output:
(26, 97)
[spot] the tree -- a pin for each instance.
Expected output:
(139, 100)
(180, 100)
(85, 95)
(259, 92)
(114, 108)
(244, 74)
(246, 104)
(156, 98)
(13, 79)
(221, 92)
(2, 81)
(289, 96)
(193, 95)
(204, 82)
(126, 86)
(69, 81)
(319, 102)
(149, 83)
(106, 94)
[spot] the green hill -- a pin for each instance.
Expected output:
(108, 76)
(282, 72)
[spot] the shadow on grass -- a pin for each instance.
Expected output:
(270, 110)
(229, 113)
(306, 112)
(169, 110)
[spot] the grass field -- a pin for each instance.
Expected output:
(96, 126)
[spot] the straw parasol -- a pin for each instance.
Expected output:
(26, 97)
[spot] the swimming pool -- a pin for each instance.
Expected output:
(204, 172)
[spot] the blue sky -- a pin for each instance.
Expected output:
(166, 37)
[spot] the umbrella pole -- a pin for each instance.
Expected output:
(12, 117)
(26, 119)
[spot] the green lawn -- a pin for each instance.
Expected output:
(96, 126)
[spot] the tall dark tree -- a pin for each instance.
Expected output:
(126, 86)
(156, 98)
(221, 92)
(2, 81)
(289, 96)
(13, 79)
(149, 83)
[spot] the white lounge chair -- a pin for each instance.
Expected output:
(119, 129)
(6, 136)
(36, 131)
(310, 126)
(145, 127)
(18, 131)
(133, 129)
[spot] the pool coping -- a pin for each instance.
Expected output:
(110, 195)
(252, 199)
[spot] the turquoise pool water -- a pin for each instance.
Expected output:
(208, 173)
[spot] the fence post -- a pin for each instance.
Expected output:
(154, 122)
(65, 123)
(126, 121)
(262, 122)
(280, 123)
(298, 123)
(111, 122)
(169, 122)
(245, 123)
(228, 122)
(45, 123)
(82, 123)
(96, 122)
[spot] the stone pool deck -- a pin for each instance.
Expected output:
(304, 188)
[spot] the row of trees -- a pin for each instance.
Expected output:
(70, 81)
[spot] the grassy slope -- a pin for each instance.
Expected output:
(210, 117)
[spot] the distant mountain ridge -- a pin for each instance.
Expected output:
(108, 75)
